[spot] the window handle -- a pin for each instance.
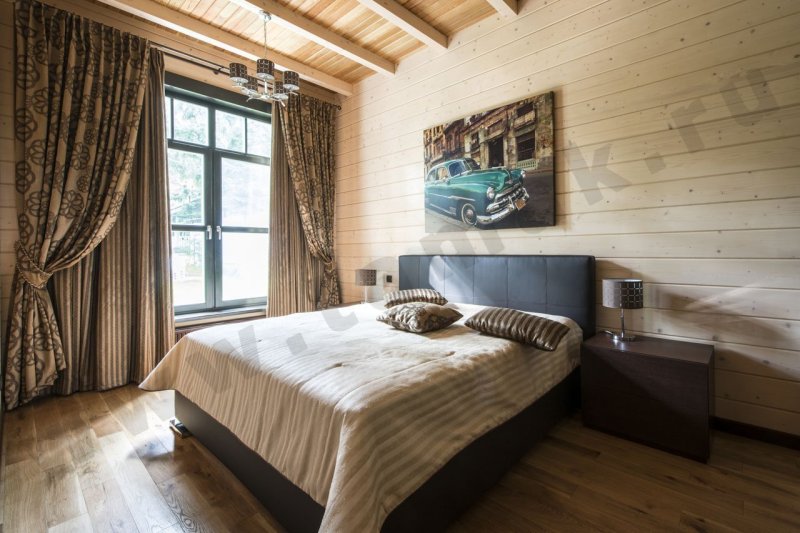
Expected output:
(219, 233)
(208, 232)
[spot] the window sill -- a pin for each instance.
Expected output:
(195, 319)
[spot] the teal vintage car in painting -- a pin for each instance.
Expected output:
(477, 197)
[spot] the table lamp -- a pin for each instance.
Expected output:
(365, 278)
(623, 293)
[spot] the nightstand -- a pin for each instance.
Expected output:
(655, 391)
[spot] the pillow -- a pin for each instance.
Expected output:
(413, 295)
(419, 317)
(541, 332)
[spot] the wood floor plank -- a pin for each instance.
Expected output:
(698, 523)
(128, 409)
(79, 524)
(63, 496)
(150, 511)
(161, 403)
(189, 506)
(483, 516)
(97, 414)
(519, 494)
(20, 436)
(108, 511)
(787, 519)
(51, 435)
(24, 511)
(160, 463)
(259, 522)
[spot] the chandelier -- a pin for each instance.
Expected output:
(264, 86)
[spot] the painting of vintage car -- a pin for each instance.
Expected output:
(478, 197)
(492, 170)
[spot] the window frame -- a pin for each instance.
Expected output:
(214, 99)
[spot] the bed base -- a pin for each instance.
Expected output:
(438, 502)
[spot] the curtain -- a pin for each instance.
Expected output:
(78, 101)
(114, 308)
(294, 274)
(309, 134)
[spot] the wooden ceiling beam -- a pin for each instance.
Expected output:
(175, 20)
(507, 8)
(407, 21)
(319, 34)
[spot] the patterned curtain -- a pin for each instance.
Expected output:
(294, 274)
(309, 132)
(114, 308)
(78, 97)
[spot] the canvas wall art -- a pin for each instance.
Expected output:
(492, 170)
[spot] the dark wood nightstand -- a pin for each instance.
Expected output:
(655, 391)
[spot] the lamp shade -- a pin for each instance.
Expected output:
(238, 73)
(265, 69)
(623, 293)
(291, 80)
(365, 277)
(252, 83)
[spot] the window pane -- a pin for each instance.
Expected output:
(191, 122)
(168, 115)
(229, 133)
(244, 265)
(245, 194)
(185, 186)
(188, 267)
(259, 137)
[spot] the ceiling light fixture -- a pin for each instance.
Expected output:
(264, 86)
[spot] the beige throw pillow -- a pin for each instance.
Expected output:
(413, 295)
(518, 326)
(419, 317)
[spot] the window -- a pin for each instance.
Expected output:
(526, 146)
(524, 109)
(456, 169)
(218, 165)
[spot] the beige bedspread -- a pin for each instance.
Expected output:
(355, 413)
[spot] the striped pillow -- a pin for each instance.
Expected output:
(419, 317)
(391, 299)
(515, 325)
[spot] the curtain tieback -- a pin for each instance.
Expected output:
(329, 266)
(29, 270)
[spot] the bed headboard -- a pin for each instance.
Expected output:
(555, 284)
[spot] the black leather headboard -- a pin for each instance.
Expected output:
(555, 284)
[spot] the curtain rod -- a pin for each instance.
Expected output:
(204, 63)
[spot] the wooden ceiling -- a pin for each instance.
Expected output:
(333, 43)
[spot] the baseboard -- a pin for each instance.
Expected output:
(758, 433)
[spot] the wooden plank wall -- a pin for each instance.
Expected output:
(678, 161)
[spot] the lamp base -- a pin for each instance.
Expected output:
(620, 337)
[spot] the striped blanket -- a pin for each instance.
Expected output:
(353, 412)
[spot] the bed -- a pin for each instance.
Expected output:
(354, 416)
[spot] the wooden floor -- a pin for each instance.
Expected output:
(108, 462)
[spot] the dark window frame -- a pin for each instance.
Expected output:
(526, 143)
(213, 98)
